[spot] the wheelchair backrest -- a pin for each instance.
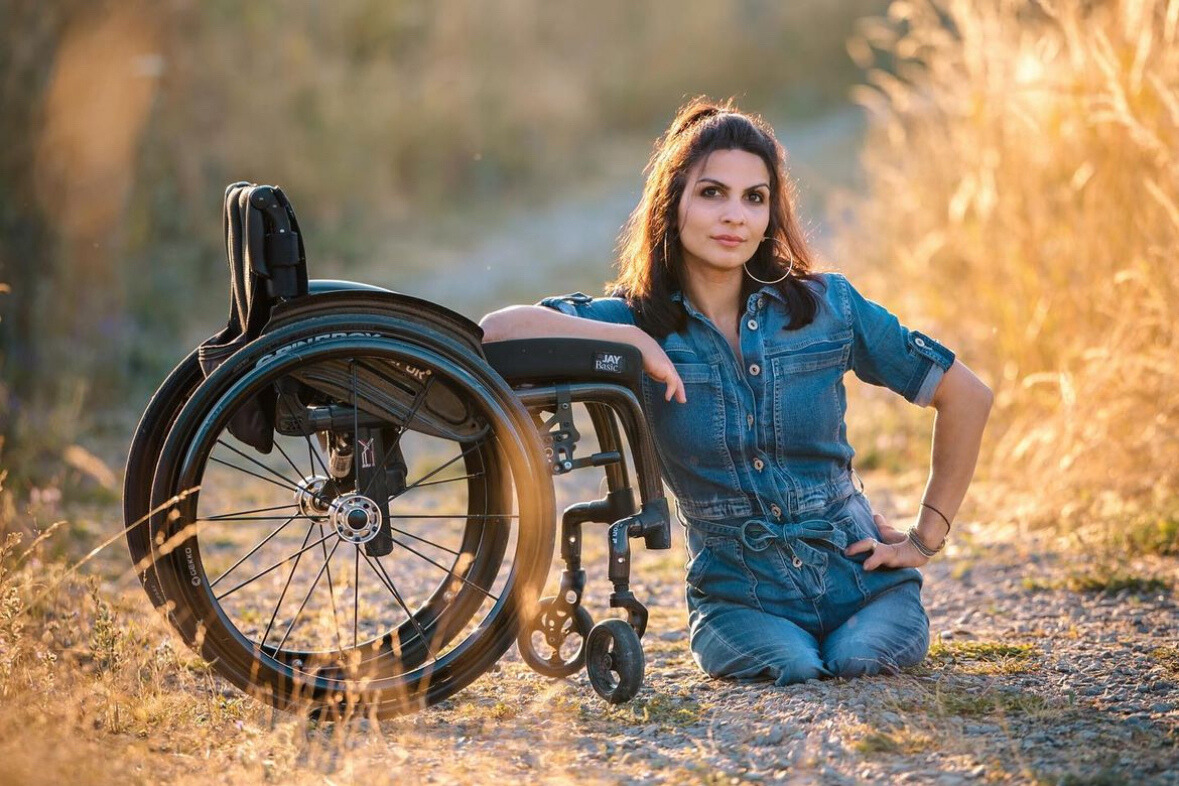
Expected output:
(267, 266)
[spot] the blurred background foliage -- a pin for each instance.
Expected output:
(123, 121)
(1018, 192)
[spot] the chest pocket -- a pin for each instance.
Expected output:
(808, 405)
(691, 439)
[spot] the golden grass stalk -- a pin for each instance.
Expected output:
(1023, 170)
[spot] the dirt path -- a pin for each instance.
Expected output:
(1027, 682)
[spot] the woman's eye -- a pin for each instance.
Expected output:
(757, 197)
(710, 191)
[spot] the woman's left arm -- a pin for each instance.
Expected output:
(963, 403)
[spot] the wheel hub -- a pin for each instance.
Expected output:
(357, 518)
(311, 498)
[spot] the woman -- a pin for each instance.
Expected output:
(792, 576)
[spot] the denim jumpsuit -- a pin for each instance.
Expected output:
(760, 465)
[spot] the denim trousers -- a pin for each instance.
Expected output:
(779, 601)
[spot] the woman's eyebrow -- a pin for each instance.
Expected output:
(725, 186)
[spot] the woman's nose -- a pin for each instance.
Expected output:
(733, 213)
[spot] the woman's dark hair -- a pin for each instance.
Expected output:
(650, 260)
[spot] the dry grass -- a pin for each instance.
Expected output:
(1024, 180)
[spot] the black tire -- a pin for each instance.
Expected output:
(552, 643)
(452, 603)
(614, 660)
(142, 457)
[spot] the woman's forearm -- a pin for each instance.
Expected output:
(963, 404)
(541, 322)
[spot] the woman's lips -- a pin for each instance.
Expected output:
(728, 241)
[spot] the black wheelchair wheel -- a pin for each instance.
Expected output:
(552, 642)
(614, 660)
(142, 457)
(278, 568)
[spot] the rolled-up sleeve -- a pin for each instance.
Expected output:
(885, 352)
(601, 309)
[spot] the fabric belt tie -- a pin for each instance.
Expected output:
(759, 535)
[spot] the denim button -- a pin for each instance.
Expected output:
(919, 341)
(758, 464)
(753, 325)
(749, 420)
(776, 511)
(755, 369)
(797, 562)
(760, 301)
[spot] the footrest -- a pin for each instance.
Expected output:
(545, 361)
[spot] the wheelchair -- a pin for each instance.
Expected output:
(344, 501)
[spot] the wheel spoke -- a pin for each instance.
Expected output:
(356, 598)
(298, 472)
(434, 472)
(261, 518)
(252, 551)
(234, 513)
(447, 570)
(295, 556)
(282, 596)
(307, 597)
(313, 457)
(331, 588)
(286, 486)
(429, 542)
(252, 460)
(450, 480)
(387, 580)
(455, 516)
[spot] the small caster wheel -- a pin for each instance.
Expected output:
(553, 642)
(614, 660)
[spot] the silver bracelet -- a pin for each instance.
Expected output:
(921, 546)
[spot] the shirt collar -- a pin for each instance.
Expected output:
(769, 289)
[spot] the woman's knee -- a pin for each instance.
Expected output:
(748, 659)
(877, 651)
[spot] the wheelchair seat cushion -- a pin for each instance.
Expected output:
(545, 361)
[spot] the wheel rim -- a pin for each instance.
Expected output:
(285, 592)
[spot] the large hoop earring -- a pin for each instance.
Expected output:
(785, 275)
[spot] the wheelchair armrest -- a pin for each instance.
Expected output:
(546, 361)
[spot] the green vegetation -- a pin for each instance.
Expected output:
(894, 741)
(666, 710)
(1106, 582)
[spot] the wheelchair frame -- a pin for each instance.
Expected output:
(357, 368)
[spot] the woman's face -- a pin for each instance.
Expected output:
(724, 211)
